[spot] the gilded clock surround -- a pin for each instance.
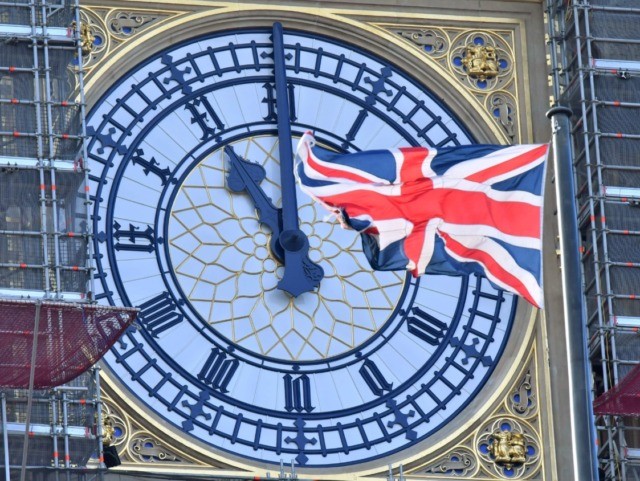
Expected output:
(145, 440)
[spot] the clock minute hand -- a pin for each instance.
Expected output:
(245, 176)
(301, 274)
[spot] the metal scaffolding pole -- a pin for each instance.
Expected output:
(32, 373)
(5, 439)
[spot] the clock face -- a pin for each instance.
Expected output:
(365, 366)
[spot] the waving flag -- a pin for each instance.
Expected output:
(457, 210)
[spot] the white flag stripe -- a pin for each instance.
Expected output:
(429, 244)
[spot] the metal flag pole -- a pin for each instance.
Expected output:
(585, 460)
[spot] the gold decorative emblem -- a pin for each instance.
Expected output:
(86, 37)
(108, 430)
(508, 448)
(481, 61)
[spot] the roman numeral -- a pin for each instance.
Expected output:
(297, 393)
(134, 239)
(270, 102)
(203, 114)
(355, 128)
(426, 327)
(374, 378)
(217, 370)
(152, 167)
(159, 314)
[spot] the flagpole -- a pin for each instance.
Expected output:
(584, 453)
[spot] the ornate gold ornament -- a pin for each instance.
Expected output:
(508, 448)
(108, 430)
(86, 37)
(481, 61)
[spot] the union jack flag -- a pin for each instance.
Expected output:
(457, 210)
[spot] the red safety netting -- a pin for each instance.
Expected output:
(71, 338)
(623, 399)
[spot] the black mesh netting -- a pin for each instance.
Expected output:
(616, 88)
(622, 248)
(606, 26)
(17, 12)
(21, 252)
(625, 280)
(622, 216)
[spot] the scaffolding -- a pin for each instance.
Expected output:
(594, 50)
(45, 237)
(62, 435)
(44, 216)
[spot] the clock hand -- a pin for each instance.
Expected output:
(301, 274)
(244, 175)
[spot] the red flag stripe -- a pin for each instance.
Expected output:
(412, 164)
(490, 265)
(510, 165)
(445, 204)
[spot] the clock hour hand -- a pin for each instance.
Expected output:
(246, 176)
(301, 274)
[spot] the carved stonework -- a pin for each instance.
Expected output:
(146, 448)
(135, 445)
(101, 41)
(483, 61)
(457, 463)
(125, 24)
(434, 41)
(508, 448)
(503, 108)
(523, 400)
(112, 28)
